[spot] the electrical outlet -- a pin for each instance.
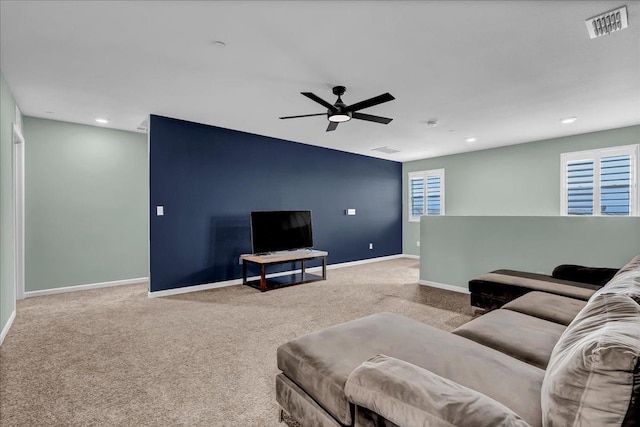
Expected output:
(418, 243)
(370, 245)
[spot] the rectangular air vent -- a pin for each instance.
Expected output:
(387, 150)
(607, 23)
(144, 126)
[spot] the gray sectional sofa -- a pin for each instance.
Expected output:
(541, 360)
(494, 289)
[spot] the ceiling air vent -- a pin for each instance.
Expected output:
(387, 150)
(607, 23)
(144, 126)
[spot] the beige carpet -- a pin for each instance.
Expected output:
(114, 357)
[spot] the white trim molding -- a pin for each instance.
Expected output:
(17, 153)
(411, 256)
(203, 287)
(85, 287)
(453, 288)
(6, 328)
(233, 282)
(359, 262)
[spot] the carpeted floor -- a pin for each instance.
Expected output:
(116, 357)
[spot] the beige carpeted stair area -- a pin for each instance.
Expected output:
(114, 357)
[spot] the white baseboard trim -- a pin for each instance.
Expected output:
(359, 262)
(203, 287)
(85, 287)
(6, 328)
(233, 282)
(411, 256)
(444, 286)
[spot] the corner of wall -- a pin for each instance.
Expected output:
(7, 287)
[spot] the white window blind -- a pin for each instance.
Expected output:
(600, 182)
(426, 193)
(615, 185)
(580, 187)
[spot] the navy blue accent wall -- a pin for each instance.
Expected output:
(209, 179)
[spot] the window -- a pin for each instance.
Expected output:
(600, 182)
(426, 193)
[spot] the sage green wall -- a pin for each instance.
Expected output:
(521, 179)
(7, 286)
(458, 248)
(86, 204)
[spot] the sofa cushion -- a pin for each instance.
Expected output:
(409, 395)
(321, 362)
(578, 273)
(524, 337)
(554, 308)
(530, 282)
(300, 406)
(593, 377)
(634, 264)
(625, 283)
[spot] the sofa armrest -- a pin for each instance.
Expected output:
(408, 395)
(579, 273)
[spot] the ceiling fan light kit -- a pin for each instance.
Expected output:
(339, 118)
(340, 112)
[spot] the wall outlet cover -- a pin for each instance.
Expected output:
(159, 210)
(351, 211)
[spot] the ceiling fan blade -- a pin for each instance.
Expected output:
(319, 100)
(370, 118)
(332, 126)
(385, 97)
(304, 115)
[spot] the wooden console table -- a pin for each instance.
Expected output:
(301, 255)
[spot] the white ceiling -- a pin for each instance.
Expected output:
(502, 71)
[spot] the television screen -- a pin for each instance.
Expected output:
(280, 231)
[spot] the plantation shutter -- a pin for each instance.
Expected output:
(615, 185)
(580, 187)
(417, 196)
(601, 182)
(426, 193)
(433, 195)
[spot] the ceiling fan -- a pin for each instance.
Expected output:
(341, 112)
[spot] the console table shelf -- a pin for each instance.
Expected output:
(265, 284)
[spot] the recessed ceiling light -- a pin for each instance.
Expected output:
(219, 44)
(471, 139)
(102, 121)
(568, 120)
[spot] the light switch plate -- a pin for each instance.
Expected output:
(159, 210)
(351, 211)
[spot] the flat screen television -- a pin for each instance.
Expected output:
(273, 231)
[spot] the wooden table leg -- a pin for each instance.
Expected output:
(263, 280)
